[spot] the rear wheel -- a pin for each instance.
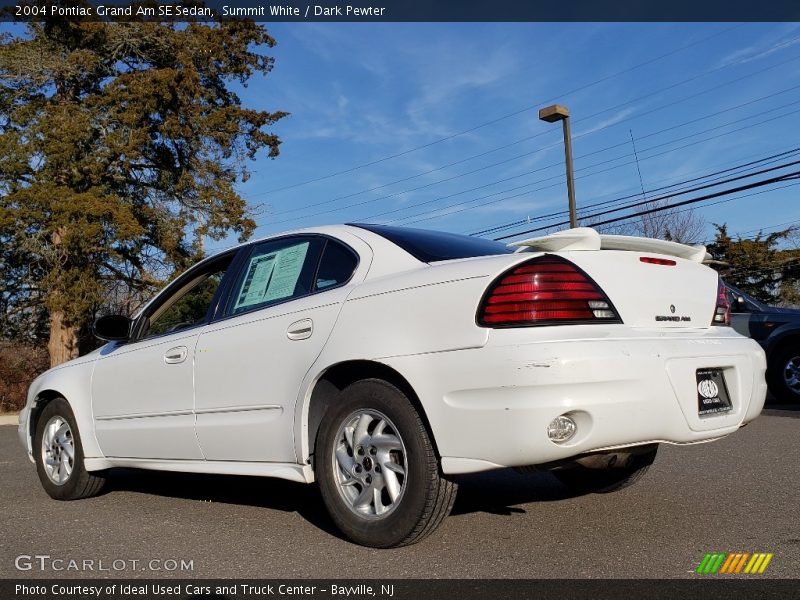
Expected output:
(785, 373)
(59, 455)
(377, 470)
(605, 473)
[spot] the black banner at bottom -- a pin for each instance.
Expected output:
(397, 589)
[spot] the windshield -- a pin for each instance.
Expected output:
(750, 303)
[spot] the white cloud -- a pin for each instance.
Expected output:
(620, 116)
(756, 52)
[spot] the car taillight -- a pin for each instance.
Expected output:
(651, 260)
(722, 312)
(548, 290)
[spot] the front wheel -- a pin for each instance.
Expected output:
(378, 473)
(605, 473)
(59, 455)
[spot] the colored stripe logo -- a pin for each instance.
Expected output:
(734, 563)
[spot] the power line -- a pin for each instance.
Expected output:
(549, 166)
(582, 216)
(738, 272)
(707, 176)
(726, 200)
(643, 203)
(547, 132)
(594, 131)
(776, 188)
(220, 249)
(668, 206)
(537, 135)
(606, 149)
(760, 230)
(743, 166)
(737, 130)
(505, 116)
(638, 169)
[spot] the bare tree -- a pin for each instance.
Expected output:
(677, 225)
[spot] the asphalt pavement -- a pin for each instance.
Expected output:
(739, 494)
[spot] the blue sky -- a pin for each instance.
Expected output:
(359, 93)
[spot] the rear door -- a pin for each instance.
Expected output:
(249, 365)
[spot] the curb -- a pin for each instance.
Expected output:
(9, 420)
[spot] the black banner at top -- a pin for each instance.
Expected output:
(409, 10)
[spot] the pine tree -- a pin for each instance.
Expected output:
(120, 146)
(759, 265)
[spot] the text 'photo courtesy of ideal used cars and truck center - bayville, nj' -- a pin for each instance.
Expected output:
(399, 300)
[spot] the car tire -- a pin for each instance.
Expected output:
(784, 374)
(580, 479)
(378, 473)
(58, 453)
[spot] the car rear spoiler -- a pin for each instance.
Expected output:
(586, 238)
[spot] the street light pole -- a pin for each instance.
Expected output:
(551, 114)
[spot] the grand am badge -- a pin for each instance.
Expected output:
(676, 318)
(673, 317)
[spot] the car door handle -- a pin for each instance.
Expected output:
(176, 355)
(300, 330)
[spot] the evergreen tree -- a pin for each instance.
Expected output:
(120, 145)
(758, 265)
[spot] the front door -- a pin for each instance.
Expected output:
(142, 391)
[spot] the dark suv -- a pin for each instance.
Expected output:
(778, 332)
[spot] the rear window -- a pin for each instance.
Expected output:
(432, 246)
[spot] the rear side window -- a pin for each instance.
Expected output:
(432, 246)
(336, 267)
(276, 271)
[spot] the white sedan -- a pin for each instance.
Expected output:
(383, 361)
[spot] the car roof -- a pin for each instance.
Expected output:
(332, 230)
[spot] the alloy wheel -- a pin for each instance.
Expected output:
(369, 463)
(58, 450)
(791, 374)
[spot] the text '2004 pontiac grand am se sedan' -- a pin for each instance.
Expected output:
(382, 361)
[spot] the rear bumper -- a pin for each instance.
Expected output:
(490, 407)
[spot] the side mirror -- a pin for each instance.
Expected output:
(740, 305)
(112, 328)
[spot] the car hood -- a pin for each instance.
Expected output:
(781, 311)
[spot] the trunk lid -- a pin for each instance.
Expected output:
(648, 294)
(652, 283)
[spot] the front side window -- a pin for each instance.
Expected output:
(276, 271)
(188, 306)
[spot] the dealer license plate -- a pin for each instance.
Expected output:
(712, 393)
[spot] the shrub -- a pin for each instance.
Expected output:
(19, 365)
